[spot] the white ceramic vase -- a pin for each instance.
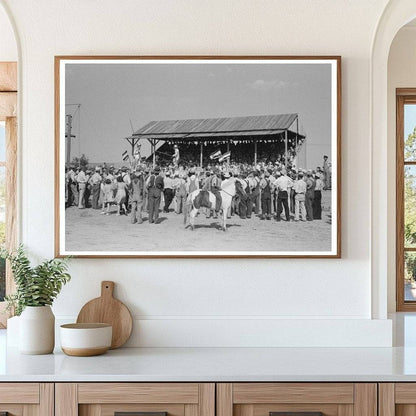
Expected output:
(37, 330)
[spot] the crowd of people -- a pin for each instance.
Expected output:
(271, 190)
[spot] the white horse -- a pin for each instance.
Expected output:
(229, 188)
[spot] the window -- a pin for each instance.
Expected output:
(2, 206)
(8, 170)
(406, 199)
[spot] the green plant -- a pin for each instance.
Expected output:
(35, 286)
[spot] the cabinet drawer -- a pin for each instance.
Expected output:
(297, 399)
(397, 399)
(21, 399)
(108, 399)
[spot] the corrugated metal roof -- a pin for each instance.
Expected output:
(229, 125)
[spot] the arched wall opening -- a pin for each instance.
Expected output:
(401, 73)
(8, 44)
(397, 14)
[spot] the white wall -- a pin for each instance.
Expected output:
(235, 302)
(401, 74)
(8, 47)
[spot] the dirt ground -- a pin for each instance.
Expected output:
(88, 230)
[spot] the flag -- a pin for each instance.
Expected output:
(224, 156)
(215, 155)
(125, 155)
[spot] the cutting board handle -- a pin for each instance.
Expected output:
(107, 289)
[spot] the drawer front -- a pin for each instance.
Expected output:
(19, 393)
(397, 399)
(26, 399)
(296, 399)
(144, 399)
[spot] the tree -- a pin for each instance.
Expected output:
(80, 161)
(410, 204)
(410, 191)
(410, 146)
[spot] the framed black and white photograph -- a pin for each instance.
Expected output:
(197, 156)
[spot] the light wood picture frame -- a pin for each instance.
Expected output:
(241, 127)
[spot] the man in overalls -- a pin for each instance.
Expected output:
(136, 188)
(266, 196)
(155, 188)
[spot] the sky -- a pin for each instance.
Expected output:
(114, 96)
(409, 119)
(2, 141)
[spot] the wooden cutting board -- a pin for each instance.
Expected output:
(107, 309)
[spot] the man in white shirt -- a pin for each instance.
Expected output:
(283, 184)
(82, 183)
(300, 191)
(168, 191)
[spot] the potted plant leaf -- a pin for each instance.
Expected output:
(36, 289)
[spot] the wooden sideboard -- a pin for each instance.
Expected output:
(208, 399)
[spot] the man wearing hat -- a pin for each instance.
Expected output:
(310, 195)
(283, 184)
(251, 193)
(168, 193)
(95, 182)
(155, 188)
(300, 191)
(136, 189)
(175, 156)
(317, 200)
(215, 189)
(266, 196)
(327, 174)
(82, 182)
(72, 186)
(180, 190)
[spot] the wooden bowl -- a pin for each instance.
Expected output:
(85, 340)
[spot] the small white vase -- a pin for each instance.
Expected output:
(37, 330)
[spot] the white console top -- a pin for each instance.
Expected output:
(213, 365)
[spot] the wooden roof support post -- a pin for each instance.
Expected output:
(255, 152)
(286, 149)
(297, 134)
(201, 155)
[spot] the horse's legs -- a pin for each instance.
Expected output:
(224, 218)
(192, 216)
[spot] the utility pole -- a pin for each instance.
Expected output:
(68, 137)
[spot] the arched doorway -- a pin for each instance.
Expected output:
(396, 14)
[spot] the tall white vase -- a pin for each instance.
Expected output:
(37, 330)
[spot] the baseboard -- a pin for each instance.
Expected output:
(258, 332)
